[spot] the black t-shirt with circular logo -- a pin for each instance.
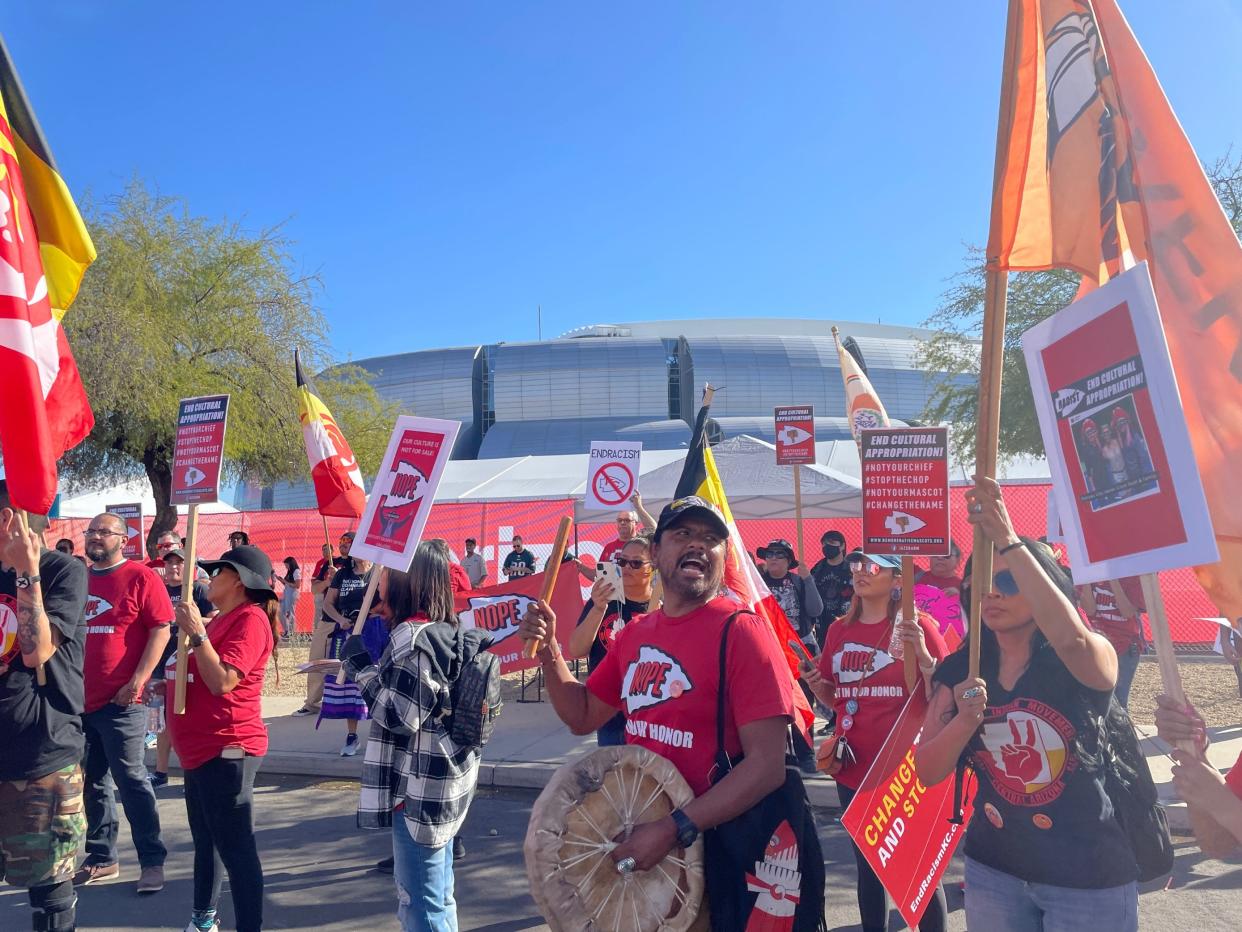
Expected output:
(41, 726)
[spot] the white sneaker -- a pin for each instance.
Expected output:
(214, 927)
(351, 746)
(304, 711)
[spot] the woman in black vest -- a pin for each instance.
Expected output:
(1043, 849)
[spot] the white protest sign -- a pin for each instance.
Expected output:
(612, 474)
(400, 500)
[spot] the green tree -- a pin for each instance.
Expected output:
(178, 306)
(953, 352)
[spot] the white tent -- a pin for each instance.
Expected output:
(755, 485)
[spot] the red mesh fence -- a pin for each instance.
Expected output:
(300, 534)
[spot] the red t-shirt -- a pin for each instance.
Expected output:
(881, 693)
(243, 640)
(317, 572)
(1121, 632)
(940, 582)
(1233, 779)
(459, 579)
(612, 548)
(122, 606)
(664, 674)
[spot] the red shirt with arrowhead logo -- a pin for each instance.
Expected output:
(123, 604)
(664, 674)
(856, 660)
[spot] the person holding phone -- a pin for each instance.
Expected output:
(611, 608)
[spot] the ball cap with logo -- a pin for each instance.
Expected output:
(250, 563)
(779, 548)
(879, 559)
(692, 506)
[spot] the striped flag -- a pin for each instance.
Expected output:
(334, 470)
(44, 251)
(700, 477)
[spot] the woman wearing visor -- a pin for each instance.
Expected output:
(1043, 849)
(221, 738)
(861, 675)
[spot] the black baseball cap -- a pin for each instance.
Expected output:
(175, 552)
(832, 535)
(250, 563)
(690, 506)
(779, 548)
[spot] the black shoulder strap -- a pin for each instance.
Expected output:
(723, 764)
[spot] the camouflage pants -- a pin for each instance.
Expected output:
(42, 824)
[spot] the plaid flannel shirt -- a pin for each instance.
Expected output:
(410, 756)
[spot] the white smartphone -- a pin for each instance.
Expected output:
(610, 571)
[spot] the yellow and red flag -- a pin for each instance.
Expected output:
(334, 470)
(700, 477)
(44, 252)
(1094, 173)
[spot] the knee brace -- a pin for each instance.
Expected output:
(54, 906)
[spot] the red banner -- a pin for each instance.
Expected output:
(498, 610)
(905, 485)
(199, 452)
(795, 435)
(901, 826)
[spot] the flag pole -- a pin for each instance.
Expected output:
(327, 538)
(23, 523)
(187, 596)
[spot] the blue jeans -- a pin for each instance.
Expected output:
(424, 879)
(1000, 902)
(1127, 666)
(114, 745)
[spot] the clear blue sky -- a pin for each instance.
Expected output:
(446, 167)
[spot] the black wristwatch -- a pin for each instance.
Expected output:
(198, 640)
(687, 831)
(25, 581)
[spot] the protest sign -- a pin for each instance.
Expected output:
(945, 607)
(905, 486)
(901, 826)
(1116, 437)
(199, 450)
(795, 435)
(400, 500)
(612, 474)
(132, 513)
(498, 610)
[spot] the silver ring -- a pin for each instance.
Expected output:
(973, 692)
(625, 865)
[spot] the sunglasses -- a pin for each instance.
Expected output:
(865, 567)
(1004, 583)
(632, 564)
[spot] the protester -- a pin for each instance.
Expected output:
(127, 614)
(239, 539)
(169, 540)
(799, 601)
(1115, 609)
(412, 765)
(174, 576)
(321, 578)
(65, 545)
(1214, 802)
(474, 564)
(458, 576)
(859, 676)
(1044, 848)
(325, 627)
(604, 617)
(341, 605)
(833, 581)
(676, 716)
(41, 820)
(221, 738)
(292, 582)
(943, 573)
(519, 562)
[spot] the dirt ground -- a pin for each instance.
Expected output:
(1210, 684)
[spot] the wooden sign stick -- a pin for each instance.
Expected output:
(1170, 676)
(187, 595)
(549, 576)
(798, 509)
(365, 609)
(911, 662)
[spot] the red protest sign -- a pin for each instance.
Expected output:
(905, 486)
(404, 489)
(199, 452)
(795, 435)
(498, 610)
(1115, 431)
(901, 826)
(132, 513)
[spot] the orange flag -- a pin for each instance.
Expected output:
(1094, 173)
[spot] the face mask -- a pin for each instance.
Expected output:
(832, 551)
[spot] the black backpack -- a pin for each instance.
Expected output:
(474, 697)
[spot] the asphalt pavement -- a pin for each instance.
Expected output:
(318, 871)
